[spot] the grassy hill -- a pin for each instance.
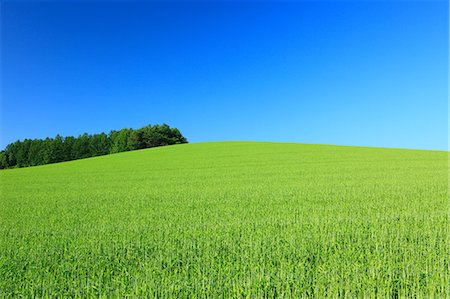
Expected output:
(229, 219)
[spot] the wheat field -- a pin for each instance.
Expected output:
(229, 219)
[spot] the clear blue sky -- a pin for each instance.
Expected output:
(369, 73)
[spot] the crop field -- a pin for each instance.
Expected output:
(229, 219)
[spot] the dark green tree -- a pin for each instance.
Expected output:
(50, 150)
(36, 152)
(3, 160)
(120, 141)
(100, 144)
(68, 146)
(81, 147)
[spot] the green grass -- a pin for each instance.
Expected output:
(230, 219)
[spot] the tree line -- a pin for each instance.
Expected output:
(31, 152)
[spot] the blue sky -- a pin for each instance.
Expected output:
(371, 73)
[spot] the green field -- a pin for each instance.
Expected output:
(229, 219)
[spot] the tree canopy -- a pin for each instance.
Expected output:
(31, 152)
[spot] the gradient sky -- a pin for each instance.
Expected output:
(371, 73)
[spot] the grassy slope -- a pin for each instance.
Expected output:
(229, 219)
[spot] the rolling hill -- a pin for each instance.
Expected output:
(229, 219)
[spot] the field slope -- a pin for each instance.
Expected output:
(229, 219)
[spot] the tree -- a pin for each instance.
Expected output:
(120, 141)
(11, 154)
(68, 145)
(50, 150)
(81, 148)
(56, 149)
(100, 144)
(3, 160)
(177, 138)
(134, 140)
(36, 152)
(22, 153)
